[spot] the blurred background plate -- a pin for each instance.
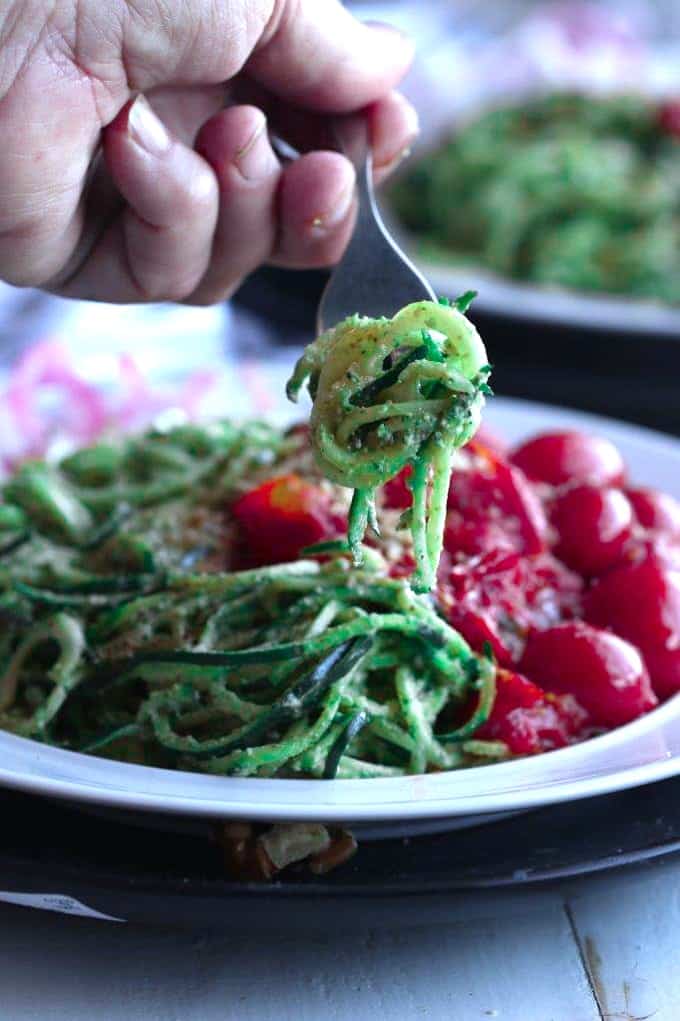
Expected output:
(472, 57)
(546, 306)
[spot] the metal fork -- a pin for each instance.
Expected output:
(374, 277)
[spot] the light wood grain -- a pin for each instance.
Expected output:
(518, 968)
(629, 934)
(608, 950)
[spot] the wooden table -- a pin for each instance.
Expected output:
(603, 948)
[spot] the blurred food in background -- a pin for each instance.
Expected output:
(577, 190)
(551, 141)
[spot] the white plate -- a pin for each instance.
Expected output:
(643, 751)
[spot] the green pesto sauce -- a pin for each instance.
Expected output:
(566, 190)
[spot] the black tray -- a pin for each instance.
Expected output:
(168, 871)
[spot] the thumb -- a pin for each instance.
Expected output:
(313, 52)
(318, 55)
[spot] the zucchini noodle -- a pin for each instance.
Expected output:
(126, 635)
(392, 393)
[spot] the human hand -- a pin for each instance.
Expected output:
(183, 205)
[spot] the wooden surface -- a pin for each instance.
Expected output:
(606, 948)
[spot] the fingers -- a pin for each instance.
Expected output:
(236, 144)
(316, 210)
(185, 110)
(197, 222)
(312, 52)
(159, 248)
(315, 53)
(170, 242)
(300, 216)
(48, 140)
(393, 124)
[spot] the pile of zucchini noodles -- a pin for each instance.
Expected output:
(124, 634)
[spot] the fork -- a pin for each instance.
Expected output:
(374, 277)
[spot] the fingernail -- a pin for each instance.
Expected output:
(409, 132)
(147, 129)
(255, 159)
(412, 122)
(324, 221)
(393, 162)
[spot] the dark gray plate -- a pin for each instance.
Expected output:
(145, 869)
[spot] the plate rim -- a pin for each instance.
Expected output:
(529, 302)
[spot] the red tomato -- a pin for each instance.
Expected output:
(665, 548)
(528, 719)
(658, 512)
(640, 601)
(474, 535)
(594, 528)
(488, 499)
(499, 597)
(561, 457)
(396, 493)
(668, 117)
(604, 673)
(282, 516)
(403, 567)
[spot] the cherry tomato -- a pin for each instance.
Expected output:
(498, 597)
(665, 548)
(668, 117)
(474, 535)
(403, 566)
(604, 673)
(561, 457)
(594, 528)
(658, 512)
(640, 602)
(491, 497)
(528, 719)
(280, 517)
(396, 493)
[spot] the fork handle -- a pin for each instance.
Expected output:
(352, 137)
(374, 277)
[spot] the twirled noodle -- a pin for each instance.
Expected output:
(388, 393)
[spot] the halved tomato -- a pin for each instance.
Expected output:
(530, 720)
(492, 506)
(499, 597)
(278, 518)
